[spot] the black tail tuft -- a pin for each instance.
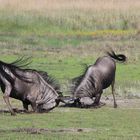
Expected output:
(119, 57)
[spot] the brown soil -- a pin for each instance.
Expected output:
(45, 130)
(123, 103)
(105, 101)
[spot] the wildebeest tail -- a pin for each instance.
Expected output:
(119, 57)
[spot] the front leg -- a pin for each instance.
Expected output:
(25, 106)
(6, 98)
(97, 99)
(34, 106)
(33, 102)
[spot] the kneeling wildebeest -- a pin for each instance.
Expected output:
(96, 77)
(32, 87)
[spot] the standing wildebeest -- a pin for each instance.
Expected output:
(96, 77)
(32, 87)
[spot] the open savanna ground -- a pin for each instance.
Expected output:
(61, 36)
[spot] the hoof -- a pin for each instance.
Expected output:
(115, 106)
(99, 105)
(13, 114)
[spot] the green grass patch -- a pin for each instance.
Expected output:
(106, 123)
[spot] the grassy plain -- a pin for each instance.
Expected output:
(61, 36)
(106, 123)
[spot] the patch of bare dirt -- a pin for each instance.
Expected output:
(45, 130)
(122, 102)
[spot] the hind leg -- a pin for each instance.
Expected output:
(113, 93)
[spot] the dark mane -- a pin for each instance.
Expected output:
(50, 80)
(19, 64)
(77, 80)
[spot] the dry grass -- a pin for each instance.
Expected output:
(89, 5)
(76, 15)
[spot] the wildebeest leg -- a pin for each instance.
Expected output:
(32, 102)
(25, 106)
(113, 93)
(97, 99)
(6, 99)
(34, 107)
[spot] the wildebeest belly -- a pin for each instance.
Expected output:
(18, 95)
(20, 91)
(107, 80)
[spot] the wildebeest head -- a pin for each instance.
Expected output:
(52, 81)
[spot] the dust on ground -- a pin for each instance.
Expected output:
(123, 103)
(133, 103)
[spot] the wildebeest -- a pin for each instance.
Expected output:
(32, 87)
(96, 77)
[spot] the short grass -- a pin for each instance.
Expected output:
(66, 16)
(106, 123)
